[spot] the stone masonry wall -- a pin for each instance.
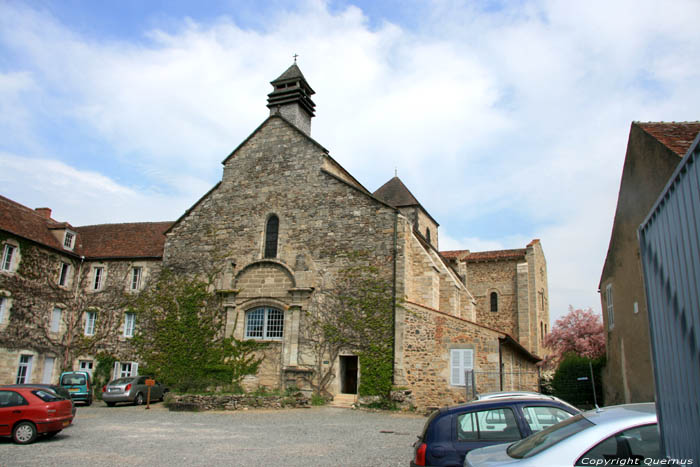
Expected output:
(495, 276)
(322, 219)
(428, 337)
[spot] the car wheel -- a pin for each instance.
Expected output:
(89, 401)
(139, 399)
(24, 433)
(51, 434)
(110, 404)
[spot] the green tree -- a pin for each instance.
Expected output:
(180, 337)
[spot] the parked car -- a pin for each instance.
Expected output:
(59, 390)
(623, 433)
(451, 432)
(26, 412)
(78, 385)
(132, 389)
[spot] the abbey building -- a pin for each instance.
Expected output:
(278, 227)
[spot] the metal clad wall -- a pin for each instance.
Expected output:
(670, 247)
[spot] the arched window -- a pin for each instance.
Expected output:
(271, 231)
(427, 234)
(494, 302)
(264, 323)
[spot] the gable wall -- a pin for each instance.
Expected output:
(628, 373)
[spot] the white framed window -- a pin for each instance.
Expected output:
(461, 360)
(135, 283)
(8, 255)
(56, 319)
(90, 318)
(68, 240)
(129, 320)
(24, 370)
(3, 308)
(86, 365)
(125, 369)
(98, 273)
(63, 274)
(609, 306)
(264, 323)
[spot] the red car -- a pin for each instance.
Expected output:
(28, 412)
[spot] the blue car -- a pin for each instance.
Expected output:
(451, 432)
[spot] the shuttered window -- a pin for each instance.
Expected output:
(460, 361)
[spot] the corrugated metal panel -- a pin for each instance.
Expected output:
(669, 241)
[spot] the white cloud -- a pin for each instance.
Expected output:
(526, 110)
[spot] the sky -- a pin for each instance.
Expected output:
(508, 120)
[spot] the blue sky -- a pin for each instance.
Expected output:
(508, 120)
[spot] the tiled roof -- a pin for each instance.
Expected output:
(478, 256)
(677, 136)
(135, 240)
(293, 72)
(28, 223)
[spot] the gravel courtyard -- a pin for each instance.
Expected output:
(319, 436)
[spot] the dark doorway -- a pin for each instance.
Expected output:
(348, 374)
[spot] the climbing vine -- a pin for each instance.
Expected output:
(181, 340)
(353, 314)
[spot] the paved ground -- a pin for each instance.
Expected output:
(127, 435)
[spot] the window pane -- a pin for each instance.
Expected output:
(636, 443)
(275, 323)
(497, 425)
(466, 427)
(271, 231)
(255, 323)
(540, 418)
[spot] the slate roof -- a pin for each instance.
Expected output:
(132, 240)
(677, 136)
(395, 193)
(293, 72)
(480, 256)
(135, 240)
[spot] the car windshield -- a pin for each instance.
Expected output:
(547, 438)
(47, 396)
(120, 381)
(73, 379)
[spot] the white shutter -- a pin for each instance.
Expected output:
(457, 378)
(468, 359)
(134, 369)
(116, 370)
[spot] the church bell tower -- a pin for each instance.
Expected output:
(291, 98)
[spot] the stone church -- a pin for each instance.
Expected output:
(279, 227)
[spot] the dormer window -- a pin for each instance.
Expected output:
(68, 240)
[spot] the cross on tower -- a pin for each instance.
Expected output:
(295, 57)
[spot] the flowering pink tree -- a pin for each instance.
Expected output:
(580, 332)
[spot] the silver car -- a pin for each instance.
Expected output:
(132, 389)
(627, 433)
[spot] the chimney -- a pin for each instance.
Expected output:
(44, 212)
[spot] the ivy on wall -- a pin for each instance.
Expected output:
(353, 314)
(180, 338)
